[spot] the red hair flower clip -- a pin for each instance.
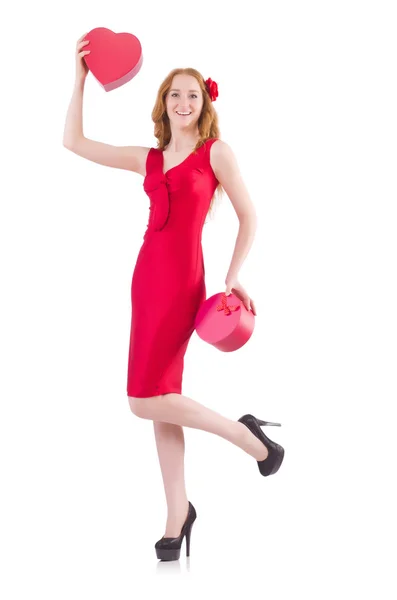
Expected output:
(212, 89)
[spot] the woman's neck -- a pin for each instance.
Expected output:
(182, 142)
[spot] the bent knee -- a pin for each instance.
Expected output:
(141, 407)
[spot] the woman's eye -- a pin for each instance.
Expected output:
(176, 93)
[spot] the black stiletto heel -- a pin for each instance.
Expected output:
(268, 423)
(188, 532)
(170, 548)
(272, 462)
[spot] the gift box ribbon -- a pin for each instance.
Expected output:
(227, 309)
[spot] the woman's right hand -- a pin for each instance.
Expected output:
(81, 67)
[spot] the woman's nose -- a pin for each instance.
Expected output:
(184, 100)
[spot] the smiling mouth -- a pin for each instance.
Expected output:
(183, 114)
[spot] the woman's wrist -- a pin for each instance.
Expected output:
(231, 277)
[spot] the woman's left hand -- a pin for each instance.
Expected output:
(233, 285)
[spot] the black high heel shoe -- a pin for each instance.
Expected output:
(169, 548)
(272, 462)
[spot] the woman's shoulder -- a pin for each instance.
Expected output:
(212, 146)
(222, 159)
(218, 146)
(219, 149)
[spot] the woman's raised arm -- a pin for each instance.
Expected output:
(132, 158)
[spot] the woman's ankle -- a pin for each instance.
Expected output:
(251, 444)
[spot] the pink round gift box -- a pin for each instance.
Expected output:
(224, 322)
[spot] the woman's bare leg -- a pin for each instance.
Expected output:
(170, 413)
(170, 442)
(183, 411)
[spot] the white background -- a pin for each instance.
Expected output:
(307, 101)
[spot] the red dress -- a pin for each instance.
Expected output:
(168, 284)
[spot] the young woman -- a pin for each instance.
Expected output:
(181, 177)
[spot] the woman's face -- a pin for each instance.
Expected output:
(184, 96)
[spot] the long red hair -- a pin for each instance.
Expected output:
(207, 124)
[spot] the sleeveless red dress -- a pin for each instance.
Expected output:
(168, 284)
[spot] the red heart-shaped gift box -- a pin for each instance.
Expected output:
(114, 58)
(224, 322)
